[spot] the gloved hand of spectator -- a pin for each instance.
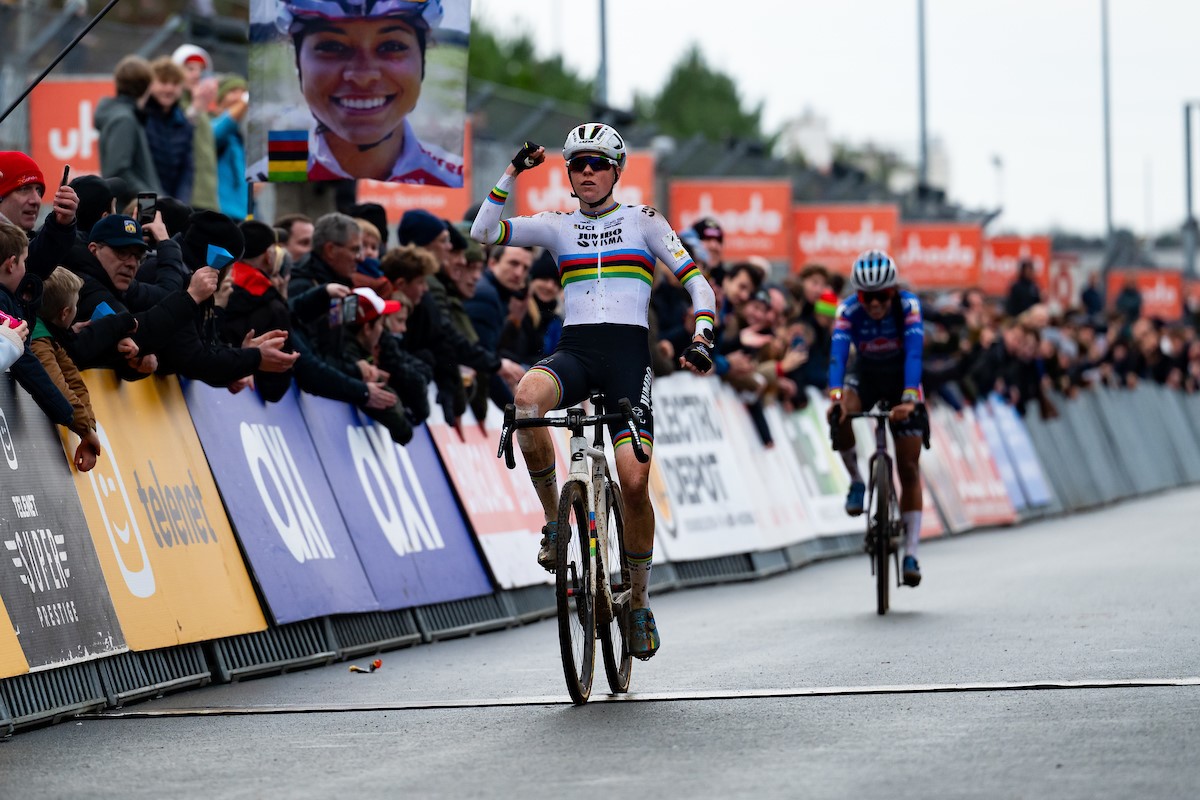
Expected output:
(380, 398)
(87, 452)
(203, 284)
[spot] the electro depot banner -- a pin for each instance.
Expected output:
(712, 511)
(447, 202)
(173, 566)
(1001, 262)
(834, 235)
(939, 255)
(548, 188)
(50, 579)
(398, 506)
(500, 504)
(284, 513)
(754, 214)
(12, 660)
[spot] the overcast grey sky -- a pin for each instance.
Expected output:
(1020, 79)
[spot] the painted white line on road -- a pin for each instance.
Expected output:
(646, 697)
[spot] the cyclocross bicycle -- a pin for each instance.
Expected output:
(885, 526)
(591, 573)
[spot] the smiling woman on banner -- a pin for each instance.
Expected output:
(361, 65)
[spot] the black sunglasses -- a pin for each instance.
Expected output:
(597, 163)
(880, 296)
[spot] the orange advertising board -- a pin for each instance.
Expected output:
(172, 565)
(754, 214)
(62, 127)
(939, 255)
(834, 235)
(1002, 256)
(1162, 291)
(12, 660)
(441, 201)
(547, 188)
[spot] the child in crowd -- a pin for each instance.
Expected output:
(19, 296)
(60, 296)
(361, 354)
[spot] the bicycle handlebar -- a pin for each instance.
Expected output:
(576, 420)
(882, 412)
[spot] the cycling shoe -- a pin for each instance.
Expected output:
(548, 554)
(912, 571)
(643, 634)
(854, 499)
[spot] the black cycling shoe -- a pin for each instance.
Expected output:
(911, 571)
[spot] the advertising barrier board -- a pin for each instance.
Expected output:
(1002, 256)
(834, 235)
(1161, 290)
(174, 569)
(755, 214)
(995, 442)
(1019, 447)
(706, 484)
(500, 504)
(281, 507)
(50, 577)
(824, 481)
(398, 506)
(972, 469)
(12, 660)
(939, 255)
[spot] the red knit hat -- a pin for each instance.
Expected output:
(19, 170)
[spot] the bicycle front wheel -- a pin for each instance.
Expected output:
(881, 519)
(573, 589)
(614, 643)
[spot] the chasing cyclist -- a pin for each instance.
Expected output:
(606, 255)
(884, 325)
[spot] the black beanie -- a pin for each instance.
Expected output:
(419, 227)
(95, 200)
(211, 227)
(258, 235)
(374, 214)
(544, 267)
(458, 242)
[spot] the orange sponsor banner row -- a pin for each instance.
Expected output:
(172, 565)
(834, 235)
(62, 127)
(939, 255)
(441, 201)
(755, 215)
(1002, 257)
(1162, 291)
(548, 188)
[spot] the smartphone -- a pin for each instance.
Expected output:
(147, 206)
(66, 174)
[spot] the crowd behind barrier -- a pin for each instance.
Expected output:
(322, 517)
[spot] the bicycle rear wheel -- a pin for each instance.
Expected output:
(614, 643)
(573, 582)
(881, 519)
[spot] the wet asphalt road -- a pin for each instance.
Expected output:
(1106, 597)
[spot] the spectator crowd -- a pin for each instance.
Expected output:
(337, 307)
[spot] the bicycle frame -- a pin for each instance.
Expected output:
(881, 452)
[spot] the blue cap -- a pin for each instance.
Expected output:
(117, 231)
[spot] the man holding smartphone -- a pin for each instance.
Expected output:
(22, 188)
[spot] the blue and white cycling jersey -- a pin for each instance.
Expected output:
(884, 344)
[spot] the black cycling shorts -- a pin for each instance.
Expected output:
(873, 385)
(608, 358)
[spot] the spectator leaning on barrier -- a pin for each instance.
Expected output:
(503, 284)
(21, 190)
(29, 372)
(124, 149)
(168, 131)
(325, 274)
(59, 299)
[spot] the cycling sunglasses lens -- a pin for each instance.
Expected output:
(597, 163)
(882, 296)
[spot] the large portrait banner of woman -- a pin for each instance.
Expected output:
(350, 89)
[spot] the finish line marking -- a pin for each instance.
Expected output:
(645, 697)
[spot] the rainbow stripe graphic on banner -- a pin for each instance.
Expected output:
(636, 264)
(287, 156)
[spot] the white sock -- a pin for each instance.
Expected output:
(850, 459)
(912, 536)
(639, 579)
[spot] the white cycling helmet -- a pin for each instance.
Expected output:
(595, 137)
(874, 270)
(426, 14)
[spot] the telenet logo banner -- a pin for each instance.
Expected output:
(12, 660)
(172, 564)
